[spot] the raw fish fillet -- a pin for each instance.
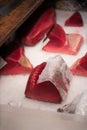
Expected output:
(58, 41)
(17, 63)
(75, 20)
(80, 66)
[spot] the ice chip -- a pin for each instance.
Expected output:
(81, 107)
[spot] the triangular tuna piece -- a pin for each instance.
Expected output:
(17, 63)
(49, 81)
(58, 41)
(75, 20)
(42, 27)
(80, 66)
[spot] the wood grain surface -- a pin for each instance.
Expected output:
(10, 23)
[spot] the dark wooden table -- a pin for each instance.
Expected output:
(10, 23)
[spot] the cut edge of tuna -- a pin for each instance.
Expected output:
(74, 42)
(49, 81)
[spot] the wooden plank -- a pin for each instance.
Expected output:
(11, 22)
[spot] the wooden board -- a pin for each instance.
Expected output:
(10, 23)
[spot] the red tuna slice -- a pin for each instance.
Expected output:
(71, 46)
(42, 26)
(80, 66)
(46, 87)
(75, 20)
(17, 63)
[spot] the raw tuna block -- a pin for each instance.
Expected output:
(17, 63)
(59, 41)
(80, 66)
(75, 20)
(49, 81)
